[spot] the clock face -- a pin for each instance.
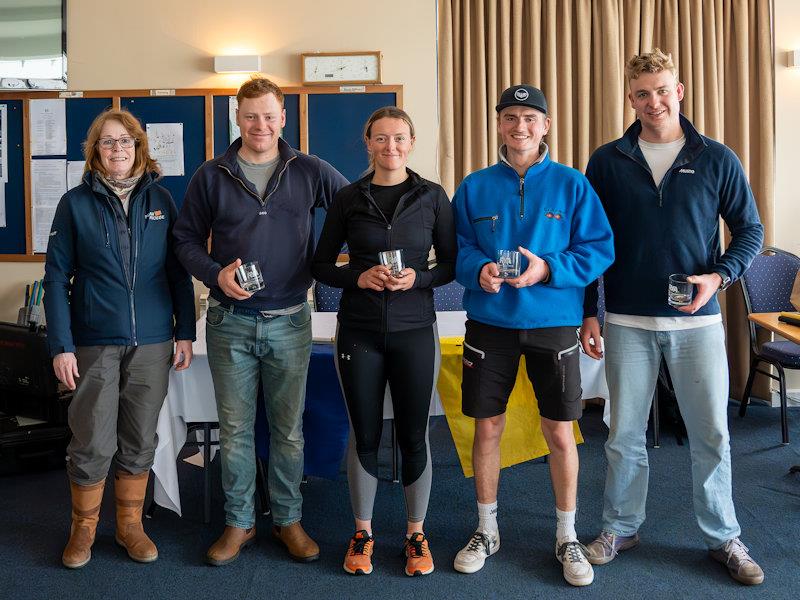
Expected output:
(341, 68)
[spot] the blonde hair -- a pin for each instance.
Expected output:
(387, 112)
(259, 86)
(650, 62)
(142, 160)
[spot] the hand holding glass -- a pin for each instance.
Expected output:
(249, 276)
(393, 259)
(679, 290)
(508, 263)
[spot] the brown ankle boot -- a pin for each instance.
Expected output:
(300, 546)
(86, 501)
(129, 491)
(227, 548)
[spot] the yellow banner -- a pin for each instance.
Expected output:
(522, 439)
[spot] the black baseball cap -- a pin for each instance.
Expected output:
(523, 95)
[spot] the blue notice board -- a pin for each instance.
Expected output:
(335, 125)
(189, 110)
(12, 236)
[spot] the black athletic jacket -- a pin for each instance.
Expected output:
(422, 219)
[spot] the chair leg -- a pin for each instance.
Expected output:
(784, 416)
(748, 388)
(261, 487)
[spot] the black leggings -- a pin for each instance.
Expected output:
(409, 362)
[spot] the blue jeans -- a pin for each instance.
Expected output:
(242, 349)
(698, 366)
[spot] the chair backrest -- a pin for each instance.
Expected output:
(326, 298)
(448, 297)
(767, 285)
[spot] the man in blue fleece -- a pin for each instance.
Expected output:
(257, 203)
(664, 187)
(551, 215)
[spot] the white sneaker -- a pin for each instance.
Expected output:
(472, 556)
(572, 556)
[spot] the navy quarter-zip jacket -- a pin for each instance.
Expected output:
(277, 230)
(422, 219)
(112, 281)
(673, 227)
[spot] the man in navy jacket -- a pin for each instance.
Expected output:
(257, 202)
(664, 187)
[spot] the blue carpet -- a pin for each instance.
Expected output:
(671, 562)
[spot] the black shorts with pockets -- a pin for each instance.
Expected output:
(491, 360)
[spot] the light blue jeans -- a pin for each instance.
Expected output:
(241, 349)
(698, 365)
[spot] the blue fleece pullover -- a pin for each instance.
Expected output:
(673, 227)
(554, 213)
(105, 289)
(276, 230)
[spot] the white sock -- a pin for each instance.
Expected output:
(565, 526)
(487, 517)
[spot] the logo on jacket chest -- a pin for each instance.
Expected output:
(155, 215)
(556, 215)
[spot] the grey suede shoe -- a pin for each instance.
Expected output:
(607, 545)
(734, 555)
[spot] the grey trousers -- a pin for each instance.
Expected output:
(114, 410)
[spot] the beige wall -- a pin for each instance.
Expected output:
(172, 44)
(787, 134)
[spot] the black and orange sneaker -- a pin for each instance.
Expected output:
(418, 556)
(358, 560)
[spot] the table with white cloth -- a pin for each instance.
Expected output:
(190, 398)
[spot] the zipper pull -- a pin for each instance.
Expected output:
(659, 198)
(521, 197)
(388, 226)
(494, 222)
(108, 241)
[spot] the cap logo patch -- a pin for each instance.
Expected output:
(521, 94)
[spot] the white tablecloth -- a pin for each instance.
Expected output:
(190, 398)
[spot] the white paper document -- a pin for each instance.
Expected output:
(233, 106)
(2, 204)
(74, 173)
(48, 121)
(166, 146)
(4, 143)
(48, 185)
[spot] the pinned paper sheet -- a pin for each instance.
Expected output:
(48, 185)
(74, 173)
(4, 144)
(522, 439)
(166, 146)
(233, 128)
(48, 122)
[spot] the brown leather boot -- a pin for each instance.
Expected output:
(129, 491)
(86, 501)
(226, 549)
(301, 547)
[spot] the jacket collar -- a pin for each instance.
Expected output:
(541, 162)
(228, 160)
(97, 186)
(363, 183)
(695, 144)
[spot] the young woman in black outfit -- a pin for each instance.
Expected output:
(387, 325)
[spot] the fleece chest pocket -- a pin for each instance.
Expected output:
(488, 223)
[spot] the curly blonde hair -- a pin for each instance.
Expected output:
(650, 62)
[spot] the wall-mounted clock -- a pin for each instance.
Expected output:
(341, 67)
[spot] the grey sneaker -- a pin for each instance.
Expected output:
(572, 556)
(472, 557)
(607, 545)
(734, 555)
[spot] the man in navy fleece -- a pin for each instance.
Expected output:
(257, 202)
(551, 215)
(664, 187)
